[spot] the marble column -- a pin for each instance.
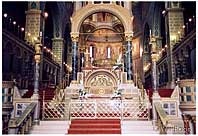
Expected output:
(129, 67)
(37, 58)
(35, 96)
(127, 5)
(74, 56)
(87, 61)
(78, 5)
(154, 58)
(155, 97)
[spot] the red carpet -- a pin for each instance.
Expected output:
(95, 126)
(162, 93)
(49, 93)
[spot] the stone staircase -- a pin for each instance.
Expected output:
(138, 127)
(51, 127)
(95, 126)
(61, 127)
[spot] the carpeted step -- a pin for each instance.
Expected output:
(94, 126)
(94, 131)
(96, 121)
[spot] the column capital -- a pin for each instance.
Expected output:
(128, 36)
(74, 36)
(153, 42)
(154, 57)
(153, 38)
(37, 48)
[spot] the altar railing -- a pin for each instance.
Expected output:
(122, 109)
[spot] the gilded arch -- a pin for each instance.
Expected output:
(107, 73)
(123, 14)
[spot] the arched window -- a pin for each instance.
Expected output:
(108, 52)
(122, 3)
(91, 51)
(97, 2)
(106, 2)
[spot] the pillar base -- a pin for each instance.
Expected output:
(154, 123)
(156, 96)
(74, 82)
(36, 122)
(35, 96)
(130, 82)
(172, 84)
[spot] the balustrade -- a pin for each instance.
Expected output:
(162, 118)
(22, 124)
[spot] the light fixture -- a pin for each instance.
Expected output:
(165, 46)
(5, 15)
(14, 22)
(163, 12)
(190, 19)
(183, 26)
(45, 14)
(35, 39)
(29, 34)
(22, 29)
(70, 68)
